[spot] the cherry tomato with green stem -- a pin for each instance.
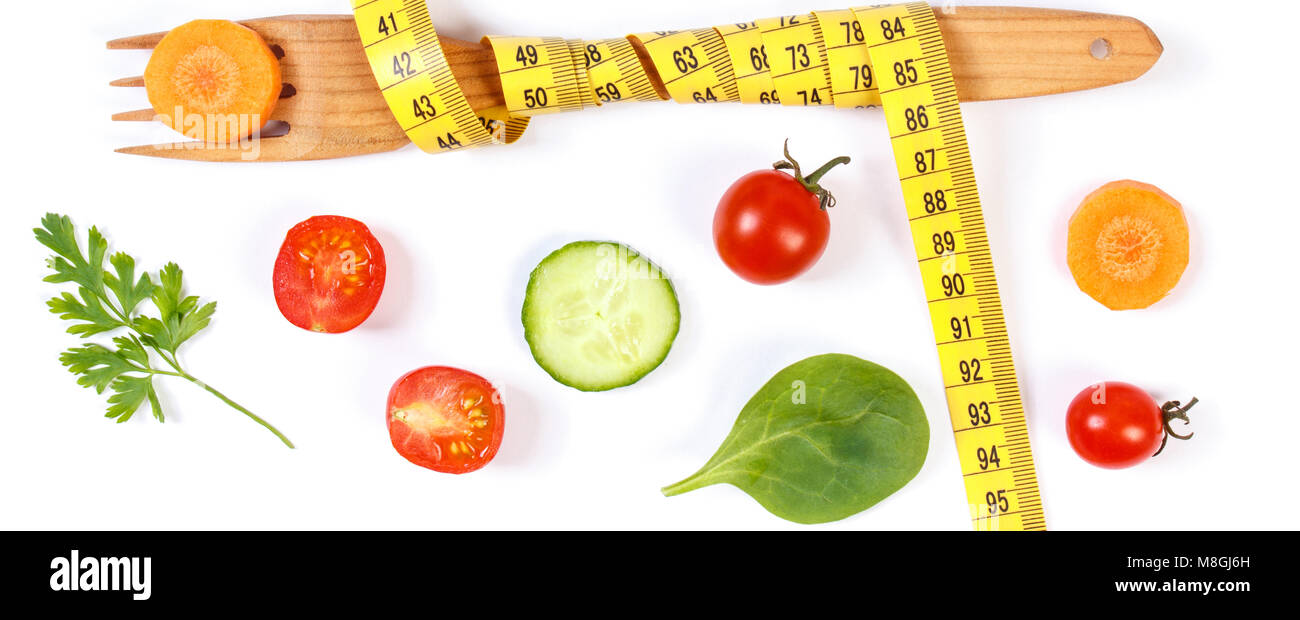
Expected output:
(772, 226)
(1118, 425)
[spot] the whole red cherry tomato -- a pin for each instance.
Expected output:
(770, 226)
(445, 419)
(329, 274)
(1117, 425)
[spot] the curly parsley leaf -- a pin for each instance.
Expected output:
(192, 322)
(167, 296)
(88, 314)
(130, 393)
(130, 348)
(128, 291)
(183, 324)
(97, 365)
(69, 264)
(108, 300)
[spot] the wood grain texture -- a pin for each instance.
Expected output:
(1009, 53)
(334, 108)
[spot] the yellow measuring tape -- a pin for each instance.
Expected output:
(892, 56)
(919, 98)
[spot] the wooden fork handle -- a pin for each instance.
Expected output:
(1008, 52)
(996, 53)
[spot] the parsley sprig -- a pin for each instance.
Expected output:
(109, 300)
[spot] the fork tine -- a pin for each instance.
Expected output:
(183, 151)
(137, 81)
(137, 42)
(146, 114)
(268, 150)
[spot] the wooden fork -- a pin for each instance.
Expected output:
(333, 108)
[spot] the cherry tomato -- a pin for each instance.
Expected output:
(770, 226)
(329, 274)
(1118, 425)
(445, 419)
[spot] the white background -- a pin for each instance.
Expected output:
(1211, 124)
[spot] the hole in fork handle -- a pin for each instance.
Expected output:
(1101, 49)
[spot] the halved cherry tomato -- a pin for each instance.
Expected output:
(329, 274)
(445, 419)
(770, 226)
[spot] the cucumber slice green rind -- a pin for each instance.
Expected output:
(599, 316)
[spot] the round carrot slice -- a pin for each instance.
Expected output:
(1128, 245)
(213, 80)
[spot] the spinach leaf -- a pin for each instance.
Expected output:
(824, 440)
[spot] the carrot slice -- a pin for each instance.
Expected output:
(1128, 245)
(213, 80)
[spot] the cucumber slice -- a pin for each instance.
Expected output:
(599, 316)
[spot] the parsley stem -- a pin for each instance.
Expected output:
(238, 407)
(171, 361)
(226, 399)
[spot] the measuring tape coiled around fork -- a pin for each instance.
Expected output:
(892, 57)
